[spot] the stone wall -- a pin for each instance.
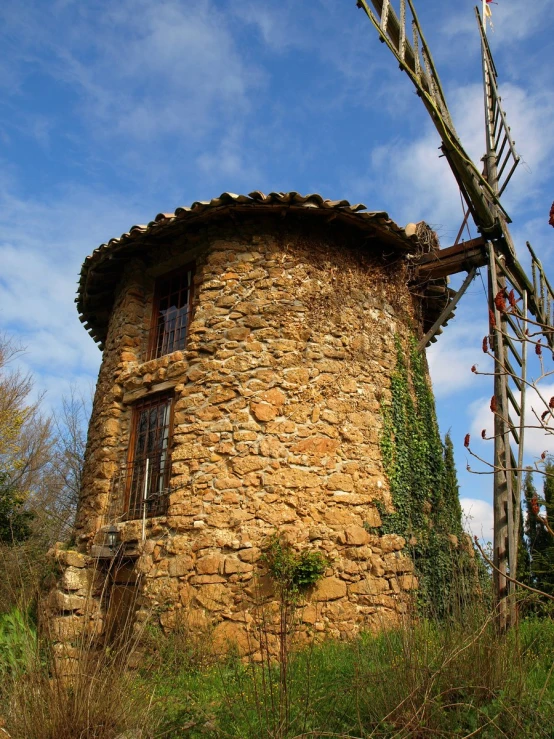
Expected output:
(72, 614)
(277, 421)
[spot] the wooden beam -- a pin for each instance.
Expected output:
(459, 258)
(447, 312)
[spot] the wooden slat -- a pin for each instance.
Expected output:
(513, 349)
(514, 403)
(509, 368)
(385, 15)
(416, 55)
(402, 39)
(446, 313)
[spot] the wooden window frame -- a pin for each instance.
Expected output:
(155, 348)
(134, 508)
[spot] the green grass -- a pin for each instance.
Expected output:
(18, 640)
(428, 679)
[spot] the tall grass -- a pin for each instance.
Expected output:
(18, 642)
(95, 696)
(100, 701)
(426, 679)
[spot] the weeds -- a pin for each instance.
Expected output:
(18, 643)
(425, 679)
(83, 690)
(100, 700)
(455, 678)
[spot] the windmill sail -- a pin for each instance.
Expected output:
(414, 58)
(511, 293)
(500, 145)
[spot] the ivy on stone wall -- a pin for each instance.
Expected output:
(424, 488)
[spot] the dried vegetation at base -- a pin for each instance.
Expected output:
(426, 678)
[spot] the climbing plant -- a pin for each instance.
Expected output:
(424, 488)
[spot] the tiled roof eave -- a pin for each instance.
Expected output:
(377, 223)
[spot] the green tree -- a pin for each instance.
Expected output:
(15, 521)
(524, 538)
(451, 487)
(541, 542)
(14, 450)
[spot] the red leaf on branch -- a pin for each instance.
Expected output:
(484, 434)
(543, 455)
(551, 402)
(544, 415)
(492, 319)
(466, 441)
(493, 404)
(512, 298)
(535, 507)
(538, 348)
(486, 345)
(500, 300)
(474, 369)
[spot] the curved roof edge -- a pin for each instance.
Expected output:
(357, 215)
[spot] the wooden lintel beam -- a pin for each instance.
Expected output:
(459, 258)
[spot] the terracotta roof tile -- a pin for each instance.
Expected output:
(357, 214)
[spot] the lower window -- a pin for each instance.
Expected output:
(149, 459)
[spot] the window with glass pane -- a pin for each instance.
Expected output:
(149, 459)
(172, 304)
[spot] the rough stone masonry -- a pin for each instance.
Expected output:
(276, 398)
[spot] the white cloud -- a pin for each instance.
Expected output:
(453, 355)
(536, 439)
(41, 250)
(228, 160)
(478, 518)
(275, 24)
(420, 183)
(512, 21)
(140, 69)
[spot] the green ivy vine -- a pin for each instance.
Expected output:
(424, 488)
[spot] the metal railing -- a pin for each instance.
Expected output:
(169, 334)
(140, 489)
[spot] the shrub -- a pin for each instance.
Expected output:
(292, 571)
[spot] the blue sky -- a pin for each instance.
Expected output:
(112, 112)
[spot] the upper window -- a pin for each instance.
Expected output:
(171, 315)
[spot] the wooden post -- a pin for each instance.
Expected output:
(500, 476)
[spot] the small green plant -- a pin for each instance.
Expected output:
(292, 571)
(427, 679)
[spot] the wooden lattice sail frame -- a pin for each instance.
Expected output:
(495, 249)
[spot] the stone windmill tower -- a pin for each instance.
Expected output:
(250, 350)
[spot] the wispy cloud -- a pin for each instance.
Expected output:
(537, 440)
(138, 69)
(512, 22)
(457, 349)
(42, 246)
(477, 518)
